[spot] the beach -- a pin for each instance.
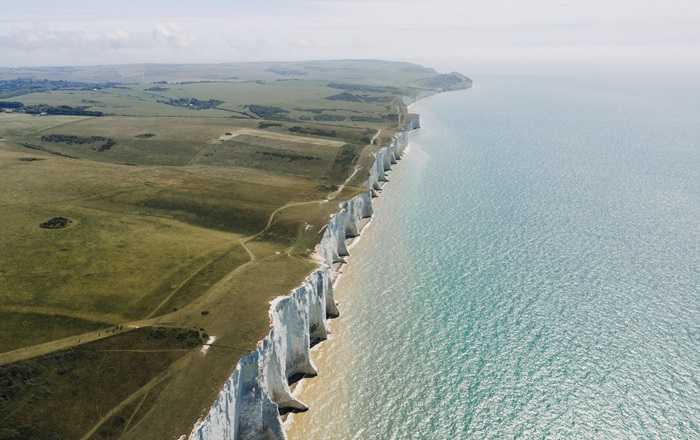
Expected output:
(335, 351)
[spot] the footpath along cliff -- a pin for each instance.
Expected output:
(257, 392)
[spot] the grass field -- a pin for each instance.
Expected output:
(308, 98)
(130, 238)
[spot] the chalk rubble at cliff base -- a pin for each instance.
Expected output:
(249, 405)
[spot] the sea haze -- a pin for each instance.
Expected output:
(533, 271)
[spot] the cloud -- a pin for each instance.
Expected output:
(222, 31)
(172, 35)
(43, 38)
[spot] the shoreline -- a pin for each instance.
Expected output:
(262, 390)
(299, 387)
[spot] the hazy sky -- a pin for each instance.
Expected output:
(50, 32)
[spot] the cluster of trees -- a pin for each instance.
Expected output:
(351, 97)
(38, 109)
(268, 111)
(22, 86)
(193, 103)
(100, 143)
(446, 81)
(11, 105)
(364, 88)
(264, 125)
(157, 89)
(287, 155)
(313, 131)
(389, 117)
(325, 117)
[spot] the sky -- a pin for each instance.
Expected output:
(72, 32)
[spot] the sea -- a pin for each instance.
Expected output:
(532, 271)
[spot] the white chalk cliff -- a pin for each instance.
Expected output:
(249, 405)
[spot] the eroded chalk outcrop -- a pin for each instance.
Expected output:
(252, 399)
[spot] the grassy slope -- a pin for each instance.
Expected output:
(169, 229)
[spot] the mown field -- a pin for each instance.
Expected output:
(143, 216)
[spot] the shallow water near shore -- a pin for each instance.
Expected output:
(532, 271)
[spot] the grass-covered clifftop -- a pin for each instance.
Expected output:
(188, 196)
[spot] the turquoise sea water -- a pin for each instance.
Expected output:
(533, 271)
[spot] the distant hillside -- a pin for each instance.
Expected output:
(398, 77)
(446, 81)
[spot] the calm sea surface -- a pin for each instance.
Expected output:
(533, 271)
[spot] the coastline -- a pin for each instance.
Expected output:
(368, 403)
(320, 351)
(260, 391)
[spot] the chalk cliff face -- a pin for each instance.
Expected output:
(249, 405)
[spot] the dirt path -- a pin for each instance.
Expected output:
(137, 394)
(244, 244)
(376, 136)
(32, 351)
(340, 189)
(197, 155)
(127, 425)
(63, 124)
